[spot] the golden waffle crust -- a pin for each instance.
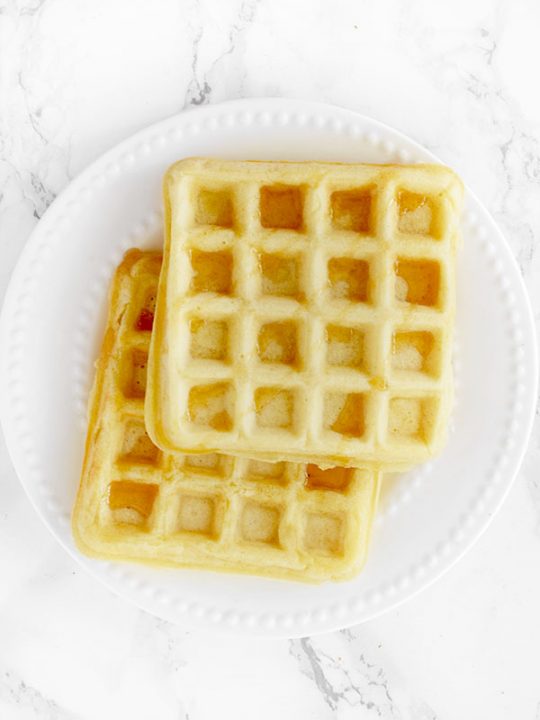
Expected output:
(305, 311)
(207, 511)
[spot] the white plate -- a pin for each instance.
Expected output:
(51, 328)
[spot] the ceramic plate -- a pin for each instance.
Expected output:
(53, 320)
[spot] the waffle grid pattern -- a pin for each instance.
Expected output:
(307, 310)
(211, 511)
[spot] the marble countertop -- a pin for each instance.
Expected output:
(79, 76)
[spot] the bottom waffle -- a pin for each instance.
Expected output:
(210, 511)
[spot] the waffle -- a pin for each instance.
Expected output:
(208, 511)
(305, 311)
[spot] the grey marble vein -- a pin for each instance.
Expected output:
(347, 677)
(15, 692)
(38, 166)
(199, 90)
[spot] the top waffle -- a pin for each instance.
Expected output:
(305, 311)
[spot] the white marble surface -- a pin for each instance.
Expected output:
(76, 76)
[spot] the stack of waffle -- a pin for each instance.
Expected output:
(292, 345)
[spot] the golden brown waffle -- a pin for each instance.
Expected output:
(305, 311)
(208, 511)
